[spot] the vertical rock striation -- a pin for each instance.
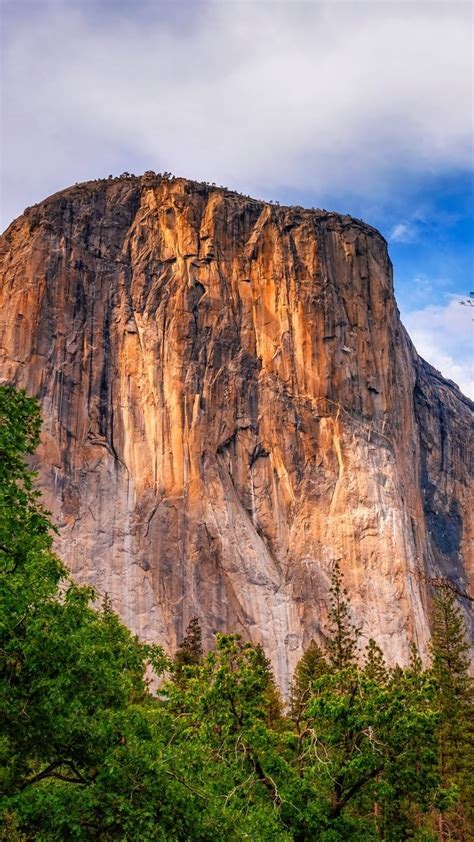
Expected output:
(231, 403)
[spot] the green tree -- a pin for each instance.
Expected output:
(343, 636)
(221, 718)
(375, 668)
(65, 669)
(271, 693)
(455, 700)
(408, 786)
(311, 666)
(368, 753)
(367, 748)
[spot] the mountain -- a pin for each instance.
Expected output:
(230, 404)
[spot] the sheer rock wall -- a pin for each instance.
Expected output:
(230, 404)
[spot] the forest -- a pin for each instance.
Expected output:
(91, 750)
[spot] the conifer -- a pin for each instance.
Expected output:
(107, 605)
(189, 652)
(455, 697)
(375, 667)
(272, 698)
(311, 666)
(415, 664)
(343, 636)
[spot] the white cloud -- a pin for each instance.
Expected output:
(403, 233)
(444, 336)
(257, 96)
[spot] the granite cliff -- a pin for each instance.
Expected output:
(230, 404)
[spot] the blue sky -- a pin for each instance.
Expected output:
(361, 107)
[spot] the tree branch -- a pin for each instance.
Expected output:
(50, 772)
(341, 802)
(441, 582)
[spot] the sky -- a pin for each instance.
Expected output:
(359, 107)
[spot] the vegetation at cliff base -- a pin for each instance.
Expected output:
(88, 751)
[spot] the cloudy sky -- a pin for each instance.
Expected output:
(361, 107)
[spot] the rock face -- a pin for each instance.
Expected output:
(230, 404)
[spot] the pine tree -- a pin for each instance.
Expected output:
(311, 666)
(375, 667)
(189, 652)
(455, 697)
(343, 636)
(271, 693)
(415, 664)
(107, 605)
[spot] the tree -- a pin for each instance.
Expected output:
(66, 669)
(342, 641)
(455, 698)
(367, 748)
(222, 722)
(189, 651)
(311, 666)
(25, 528)
(375, 667)
(271, 694)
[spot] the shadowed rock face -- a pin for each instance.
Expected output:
(230, 404)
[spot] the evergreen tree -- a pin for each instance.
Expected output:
(415, 663)
(455, 698)
(405, 738)
(311, 666)
(189, 652)
(343, 636)
(271, 693)
(375, 668)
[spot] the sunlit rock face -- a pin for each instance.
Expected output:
(231, 404)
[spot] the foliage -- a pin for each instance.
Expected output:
(362, 750)
(65, 668)
(455, 699)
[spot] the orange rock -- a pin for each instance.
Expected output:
(230, 404)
